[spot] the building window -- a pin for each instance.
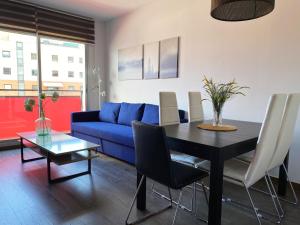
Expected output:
(19, 44)
(53, 88)
(54, 73)
(33, 56)
(7, 86)
(6, 71)
(80, 60)
(70, 59)
(70, 74)
(35, 87)
(81, 74)
(54, 58)
(34, 72)
(71, 88)
(5, 54)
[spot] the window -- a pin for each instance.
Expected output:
(80, 74)
(34, 72)
(70, 74)
(70, 59)
(54, 58)
(7, 86)
(5, 54)
(6, 71)
(80, 60)
(54, 73)
(19, 44)
(35, 87)
(53, 88)
(71, 88)
(33, 56)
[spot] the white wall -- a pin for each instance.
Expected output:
(263, 54)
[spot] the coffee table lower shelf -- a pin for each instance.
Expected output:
(60, 160)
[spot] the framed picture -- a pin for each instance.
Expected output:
(130, 63)
(151, 60)
(169, 51)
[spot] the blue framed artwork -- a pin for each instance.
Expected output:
(169, 52)
(151, 60)
(130, 63)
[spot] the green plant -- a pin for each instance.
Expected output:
(30, 103)
(219, 93)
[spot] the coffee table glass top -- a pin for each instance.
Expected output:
(58, 143)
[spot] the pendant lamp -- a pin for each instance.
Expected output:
(239, 10)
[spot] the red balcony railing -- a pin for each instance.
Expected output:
(14, 118)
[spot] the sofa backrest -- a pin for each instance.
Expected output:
(124, 113)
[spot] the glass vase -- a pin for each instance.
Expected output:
(43, 126)
(217, 117)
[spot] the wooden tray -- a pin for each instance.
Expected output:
(224, 127)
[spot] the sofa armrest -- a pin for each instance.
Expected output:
(88, 116)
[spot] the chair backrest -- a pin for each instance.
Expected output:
(152, 157)
(266, 143)
(195, 111)
(286, 134)
(168, 109)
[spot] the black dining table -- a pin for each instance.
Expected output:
(215, 146)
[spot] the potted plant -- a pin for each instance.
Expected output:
(42, 124)
(219, 93)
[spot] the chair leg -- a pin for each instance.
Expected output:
(273, 199)
(292, 188)
(150, 214)
(194, 202)
(168, 199)
(134, 198)
(175, 214)
(275, 194)
(205, 194)
(253, 206)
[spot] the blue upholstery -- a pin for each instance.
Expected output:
(108, 131)
(115, 139)
(151, 114)
(130, 112)
(109, 112)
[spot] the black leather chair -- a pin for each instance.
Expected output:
(153, 160)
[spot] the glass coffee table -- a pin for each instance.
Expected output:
(60, 149)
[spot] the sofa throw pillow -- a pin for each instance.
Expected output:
(151, 114)
(109, 112)
(130, 112)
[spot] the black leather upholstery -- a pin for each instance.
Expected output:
(153, 158)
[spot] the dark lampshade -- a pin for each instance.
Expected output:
(239, 10)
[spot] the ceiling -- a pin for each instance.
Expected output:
(97, 9)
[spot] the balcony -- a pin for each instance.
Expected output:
(14, 118)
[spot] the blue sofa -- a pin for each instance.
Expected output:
(111, 127)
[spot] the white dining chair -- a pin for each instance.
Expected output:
(284, 142)
(168, 115)
(239, 172)
(195, 109)
(285, 138)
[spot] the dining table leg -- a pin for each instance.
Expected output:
(216, 190)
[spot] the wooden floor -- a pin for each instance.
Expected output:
(101, 199)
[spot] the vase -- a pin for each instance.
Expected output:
(217, 117)
(43, 126)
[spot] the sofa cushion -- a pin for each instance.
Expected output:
(111, 132)
(129, 112)
(109, 112)
(151, 114)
